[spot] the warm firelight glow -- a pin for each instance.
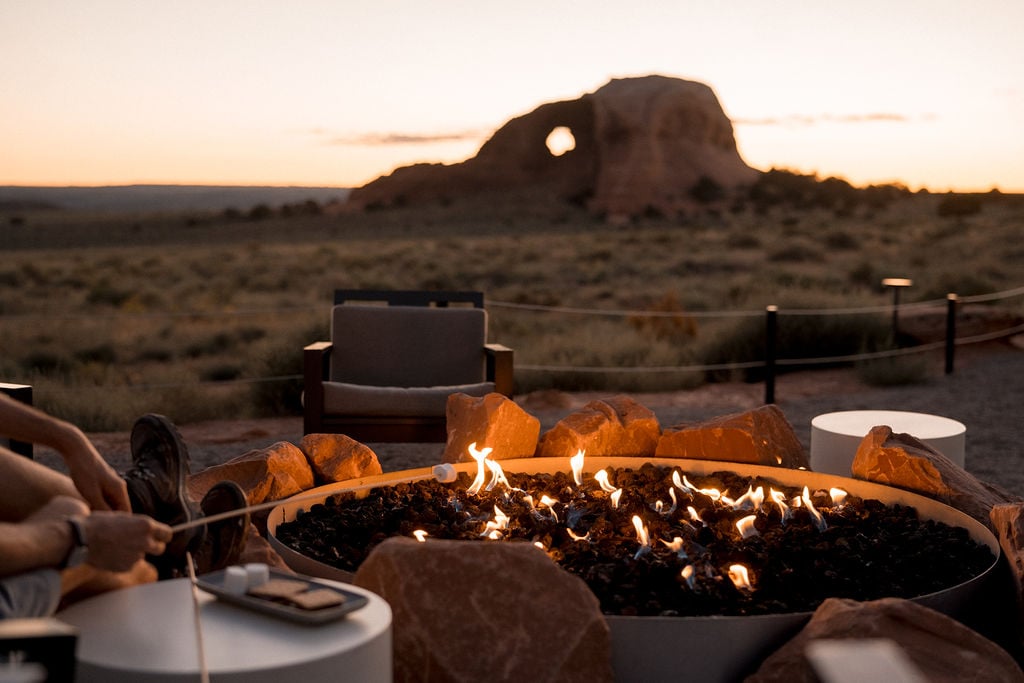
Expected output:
(740, 577)
(576, 537)
(420, 535)
(751, 500)
(481, 471)
(746, 526)
(576, 462)
(614, 497)
(493, 528)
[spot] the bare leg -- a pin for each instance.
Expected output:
(27, 485)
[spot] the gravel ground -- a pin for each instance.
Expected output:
(986, 393)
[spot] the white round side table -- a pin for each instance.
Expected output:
(836, 436)
(147, 633)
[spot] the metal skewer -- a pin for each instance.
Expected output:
(444, 473)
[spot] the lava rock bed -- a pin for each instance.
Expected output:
(864, 550)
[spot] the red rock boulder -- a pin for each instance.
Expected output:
(762, 436)
(271, 473)
(492, 421)
(617, 426)
(336, 457)
(467, 611)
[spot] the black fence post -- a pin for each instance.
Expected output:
(951, 303)
(770, 329)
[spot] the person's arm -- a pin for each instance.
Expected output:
(115, 540)
(94, 478)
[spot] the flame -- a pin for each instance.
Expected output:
(687, 574)
(819, 520)
(497, 475)
(549, 503)
(643, 537)
(576, 537)
(615, 496)
(601, 476)
(751, 500)
(681, 484)
(676, 546)
(420, 535)
(576, 462)
(694, 515)
(493, 528)
(540, 545)
(675, 502)
(481, 471)
(838, 496)
(779, 498)
(740, 577)
(746, 526)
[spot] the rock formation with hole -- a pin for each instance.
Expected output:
(642, 145)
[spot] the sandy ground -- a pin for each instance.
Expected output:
(986, 393)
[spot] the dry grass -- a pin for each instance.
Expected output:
(113, 315)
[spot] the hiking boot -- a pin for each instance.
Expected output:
(225, 539)
(156, 486)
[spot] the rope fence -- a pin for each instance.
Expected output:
(770, 362)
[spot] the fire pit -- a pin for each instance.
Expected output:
(700, 545)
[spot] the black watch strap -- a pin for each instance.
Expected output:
(79, 546)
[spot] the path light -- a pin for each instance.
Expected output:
(896, 284)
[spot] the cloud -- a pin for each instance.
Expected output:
(393, 138)
(803, 120)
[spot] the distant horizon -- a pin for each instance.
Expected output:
(926, 94)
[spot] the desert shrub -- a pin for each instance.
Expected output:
(706, 190)
(281, 366)
(105, 294)
(105, 354)
(797, 337)
(743, 240)
(680, 327)
(221, 372)
(841, 240)
(893, 370)
(794, 253)
(46, 361)
(958, 205)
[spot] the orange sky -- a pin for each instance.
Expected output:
(927, 93)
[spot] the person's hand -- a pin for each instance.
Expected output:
(94, 478)
(117, 541)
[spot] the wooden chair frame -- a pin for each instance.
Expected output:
(316, 364)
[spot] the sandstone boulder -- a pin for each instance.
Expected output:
(938, 647)
(642, 144)
(265, 474)
(617, 426)
(493, 421)
(905, 462)
(762, 436)
(465, 611)
(336, 457)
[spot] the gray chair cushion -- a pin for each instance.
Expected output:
(341, 398)
(408, 346)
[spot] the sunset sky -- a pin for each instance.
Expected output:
(929, 93)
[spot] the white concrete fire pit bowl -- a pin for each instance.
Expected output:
(712, 648)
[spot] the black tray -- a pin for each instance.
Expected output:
(214, 583)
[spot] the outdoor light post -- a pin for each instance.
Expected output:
(896, 283)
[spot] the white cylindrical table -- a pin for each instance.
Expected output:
(147, 633)
(836, 436)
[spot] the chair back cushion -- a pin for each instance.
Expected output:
(408, 346)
